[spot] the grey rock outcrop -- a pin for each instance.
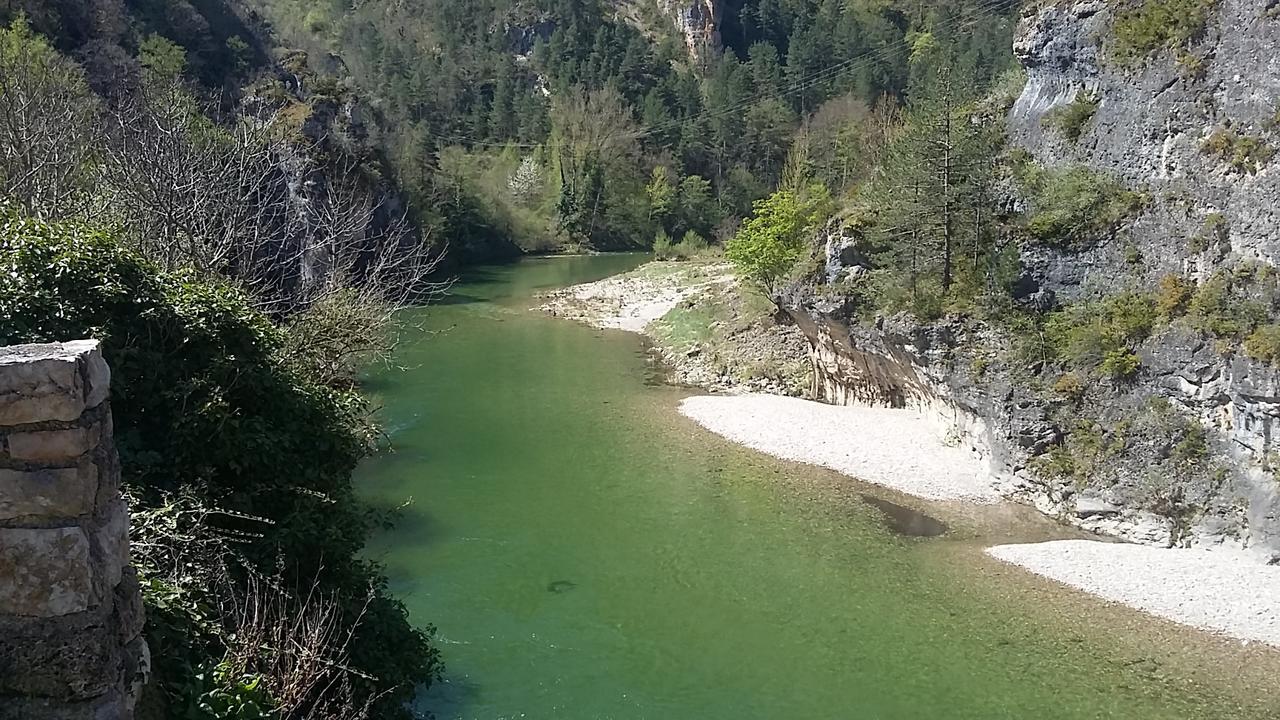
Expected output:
(1149, 127)
(71, 643)
(698, 22)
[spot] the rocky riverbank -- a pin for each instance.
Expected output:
(706, 329)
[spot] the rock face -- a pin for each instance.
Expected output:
(70, 609)
(698, 22)
(1149, 129)
(1151, 122)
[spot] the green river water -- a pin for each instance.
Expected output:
(585, 552)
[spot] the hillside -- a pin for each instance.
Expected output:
(1122, 375)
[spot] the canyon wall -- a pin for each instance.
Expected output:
(71, 643)
(1149, 129)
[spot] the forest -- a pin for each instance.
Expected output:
(237, 198)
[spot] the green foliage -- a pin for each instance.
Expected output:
(1243, 153)
(50, 116)
(163, 58)
(1071, 118)
(663, 247)
(1229, 305)
(768, 244)
(1119, 364)
(1264, 344)
(232, 697)
(723, 118)
(1087, 447)
(203, 400)
(1103, 333)
(692, 245)
(1073, 208)
(1153, 25)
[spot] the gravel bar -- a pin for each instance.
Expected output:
(1220, 591)
(899, 449)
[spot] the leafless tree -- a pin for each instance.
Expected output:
(295, 636)
(48, 121)
(246, 202)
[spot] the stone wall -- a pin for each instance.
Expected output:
(71, 642)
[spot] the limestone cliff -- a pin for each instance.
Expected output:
(698, 22)
(1154, 126)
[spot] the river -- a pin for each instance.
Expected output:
(588, 553)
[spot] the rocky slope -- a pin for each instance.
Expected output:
(1189, 128)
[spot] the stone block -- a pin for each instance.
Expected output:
(39, 383)
(96, 373)
(47, 571)
(51, 446)
(59, 493)
(111, 706)
(112, 539)
(70, 658)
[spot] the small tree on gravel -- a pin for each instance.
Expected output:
(769, 243)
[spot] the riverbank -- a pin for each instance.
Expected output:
(1223, 591)
(706, 330)
(897, 449)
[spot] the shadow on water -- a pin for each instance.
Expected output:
(561, 586)
(905, 521)
(448, 697)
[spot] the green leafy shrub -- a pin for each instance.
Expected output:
(692, 245)
(1073, 208)
(1119, 364)
(1226, 305)
(1102, 333)
(663, 247)
(1243, 153)
(1070, 119)
(1154, 25)
(1264, 344)
(203, 402)
(234, 698)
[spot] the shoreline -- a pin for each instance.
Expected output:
(1220, 591)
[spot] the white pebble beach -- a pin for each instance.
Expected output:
(1220, 591)
(898, 449)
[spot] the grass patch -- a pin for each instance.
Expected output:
(1073, 208)
(1151, 26)
(1243, 153)
(1070, 119)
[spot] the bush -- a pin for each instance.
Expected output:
(663, 248)
(1070, 387)
(690, 246)
(1102, 333)
(1155, 25)
(1073, 208)
(1264, 344)
(1243, 153)
(1223, 307)
(1119, 364)
(1071, 118)
(204, 403)
(1173, 296)
(768, 244)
